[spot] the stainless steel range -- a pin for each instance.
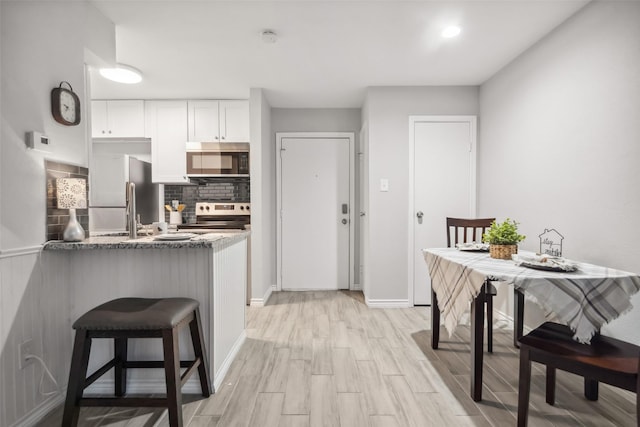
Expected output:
(220, 216)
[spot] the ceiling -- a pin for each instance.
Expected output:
(327, 52)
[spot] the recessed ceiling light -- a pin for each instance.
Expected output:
(450, 31)
(269, 36)
(122, 74)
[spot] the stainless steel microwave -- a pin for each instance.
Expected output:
(217, 159)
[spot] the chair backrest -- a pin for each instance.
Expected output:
(467, 230)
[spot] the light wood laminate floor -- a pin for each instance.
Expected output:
(325, 359)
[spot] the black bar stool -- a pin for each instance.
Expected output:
(126, 318)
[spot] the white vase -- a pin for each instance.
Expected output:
(74, 231)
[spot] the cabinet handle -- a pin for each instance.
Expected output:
(109, 131)
(216, 137)
(222, 137)
(102, 131)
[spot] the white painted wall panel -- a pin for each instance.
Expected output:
(98, 276)
(229, 285)
(559, 148)
(31, 307)
(387, 115)
(263, 177)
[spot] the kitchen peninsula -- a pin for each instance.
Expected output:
(210, 268)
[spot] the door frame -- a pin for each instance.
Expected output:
(350, 136)
(413, 120)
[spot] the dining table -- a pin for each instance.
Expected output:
(584, 299)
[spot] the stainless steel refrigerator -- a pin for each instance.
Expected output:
(110, 174)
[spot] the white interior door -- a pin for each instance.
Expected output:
(314, 201)
(443, 185)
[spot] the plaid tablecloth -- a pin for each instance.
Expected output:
(585, 299)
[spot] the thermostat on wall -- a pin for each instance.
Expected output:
(37, 141)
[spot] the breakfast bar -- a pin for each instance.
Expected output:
(210, 268)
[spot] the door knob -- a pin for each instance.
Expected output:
(419, 214)
(362, 214)
(344, 220)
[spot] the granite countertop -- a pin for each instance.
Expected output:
(209, 240)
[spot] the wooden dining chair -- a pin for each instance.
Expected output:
(466, 231)
(606, 360)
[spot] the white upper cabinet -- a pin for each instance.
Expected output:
(219, 121)
(204, 122)
(117, 119)
(234, 121)
(166, 125)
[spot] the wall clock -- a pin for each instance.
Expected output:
(65, 105)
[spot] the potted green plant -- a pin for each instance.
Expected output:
(503, 239)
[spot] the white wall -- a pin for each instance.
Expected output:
(387, 116)
(559, 141)
(263, 237)
(315, 120)
(41, 44)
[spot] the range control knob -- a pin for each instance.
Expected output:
(241, 208)
(201, 207)
(207, 207)
(247, 207)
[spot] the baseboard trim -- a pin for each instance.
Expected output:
(260, 302)
(39, 412)
(387, 303)
(224, 368)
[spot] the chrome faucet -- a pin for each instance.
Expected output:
(132, 223)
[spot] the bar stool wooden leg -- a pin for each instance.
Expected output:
(120, 355)
(170, 344)
(524, 386)
(77, 377)
(197, 338)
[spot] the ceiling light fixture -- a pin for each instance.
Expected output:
(122, 74)
(451, 31)
(269, 36)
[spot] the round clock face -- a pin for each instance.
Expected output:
(67, 107)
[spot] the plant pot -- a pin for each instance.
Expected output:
(502, 251)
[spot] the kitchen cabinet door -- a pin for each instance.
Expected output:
(204, 121)
(99, 125)
(117, 119)
(234, 121)
(166, 124)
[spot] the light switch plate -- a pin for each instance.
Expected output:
(384, 184)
